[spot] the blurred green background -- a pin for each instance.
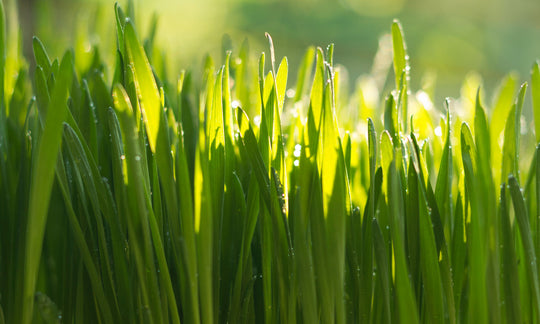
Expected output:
(446, 38)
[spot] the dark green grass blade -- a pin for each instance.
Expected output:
(406, 301)
(527, 241)
(82, 245)
(509, 264)
(383, 269)
(431, 275)
(42, 181)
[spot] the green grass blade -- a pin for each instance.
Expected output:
(429, 264)
(145, 84)
(41, 57)
(535, 91)
(443, 187)
(401, 69)
(476, 237)
(383, 269)
(406, 301)
(527, 241)
(304, 73)
(512, 134)
(509, 264)
(143, 221)
(42, 181)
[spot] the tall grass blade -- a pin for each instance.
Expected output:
(41, 186)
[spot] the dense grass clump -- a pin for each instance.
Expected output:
(130, 195)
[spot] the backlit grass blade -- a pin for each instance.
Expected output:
(145, 84)
(443, 188)
(187, 228)
(137, 201)
(501, 106)
(154, 118)
(535, 91)
(42, 181)
(304, 73)
(391, 118)
(317, 89)
(538, 198)
(512, 134)
(303, 243)
(401, 70)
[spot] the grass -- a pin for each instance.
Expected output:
(131, 195)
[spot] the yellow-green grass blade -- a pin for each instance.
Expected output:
(187, 228)
(538, 199)
(512, 134)
(401, 70)
(145, 85)
(304, 73)
(302, 242)
(501, 106)
(204, 226)
(443, 187)
(41, 185)
(317, 90)
(153, 116)
(146, 224)
(535, 91)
